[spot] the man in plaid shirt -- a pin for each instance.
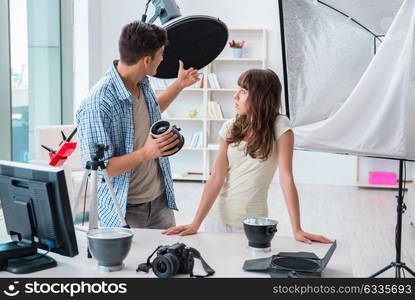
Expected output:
(118, 112)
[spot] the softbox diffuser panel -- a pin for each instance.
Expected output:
(326, 55)
(377, 118)
(375, 15)
(196, 40)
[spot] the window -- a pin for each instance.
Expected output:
(35, 58)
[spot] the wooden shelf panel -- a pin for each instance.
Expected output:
(222, 90)
(192, 149)
(218, 119)
(184, 90)
(189, 177)
(213, 147)
(195, 119)
(184, 119)
(364, 184)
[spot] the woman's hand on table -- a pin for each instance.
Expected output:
(308, 238)
(181, 230)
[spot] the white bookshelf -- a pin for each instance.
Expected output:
(366, 164)
(195, 164)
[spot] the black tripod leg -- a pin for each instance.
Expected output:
(409, 270)
(398, 264)
(381, 271)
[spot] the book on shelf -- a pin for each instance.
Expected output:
(202, 81)
(215, 110)
(213, 81)
(195, 173)
(184, 175)
(219, 110)
(196, 141)
(198, 84)
(215, 78)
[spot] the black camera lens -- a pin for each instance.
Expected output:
(165, 265)
(163, 127)
(160, 128)
(161, 266)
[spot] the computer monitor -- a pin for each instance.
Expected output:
(37, 213)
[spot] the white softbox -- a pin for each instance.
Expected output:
(375, 117)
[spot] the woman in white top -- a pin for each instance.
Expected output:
(252, 145)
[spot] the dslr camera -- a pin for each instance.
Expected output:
(174, 259)
(171, 260)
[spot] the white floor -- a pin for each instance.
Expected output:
(366, 218)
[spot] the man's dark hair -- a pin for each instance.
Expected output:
(139, 39)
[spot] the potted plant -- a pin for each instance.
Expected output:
(237, 48)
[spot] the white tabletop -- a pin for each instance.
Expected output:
(224, 252)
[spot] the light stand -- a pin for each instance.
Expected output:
(91, 169)
(401, 207)
(166, 10)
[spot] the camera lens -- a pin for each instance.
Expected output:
(160, 128)
(166, 265)
(161, 266)
(163, 127)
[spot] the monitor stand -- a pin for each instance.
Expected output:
(30, 264)
(21, 258)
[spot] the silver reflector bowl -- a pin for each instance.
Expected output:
(260, 232)
(110, 246)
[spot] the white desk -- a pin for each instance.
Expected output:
(224, 252)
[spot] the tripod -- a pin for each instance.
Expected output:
(91, 170)
(401, 207)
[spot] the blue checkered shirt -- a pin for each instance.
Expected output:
(106, 117)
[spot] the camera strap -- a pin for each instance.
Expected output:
(145, 267)
(209, 271)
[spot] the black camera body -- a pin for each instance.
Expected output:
(99, 152)
(174, 259)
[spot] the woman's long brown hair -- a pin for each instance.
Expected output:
(257, 127)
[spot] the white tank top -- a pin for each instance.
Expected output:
(245, 191)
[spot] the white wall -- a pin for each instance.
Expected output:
(81, 51)
(87, 47)
(107, 17)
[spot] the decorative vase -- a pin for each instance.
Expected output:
(237, 52)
